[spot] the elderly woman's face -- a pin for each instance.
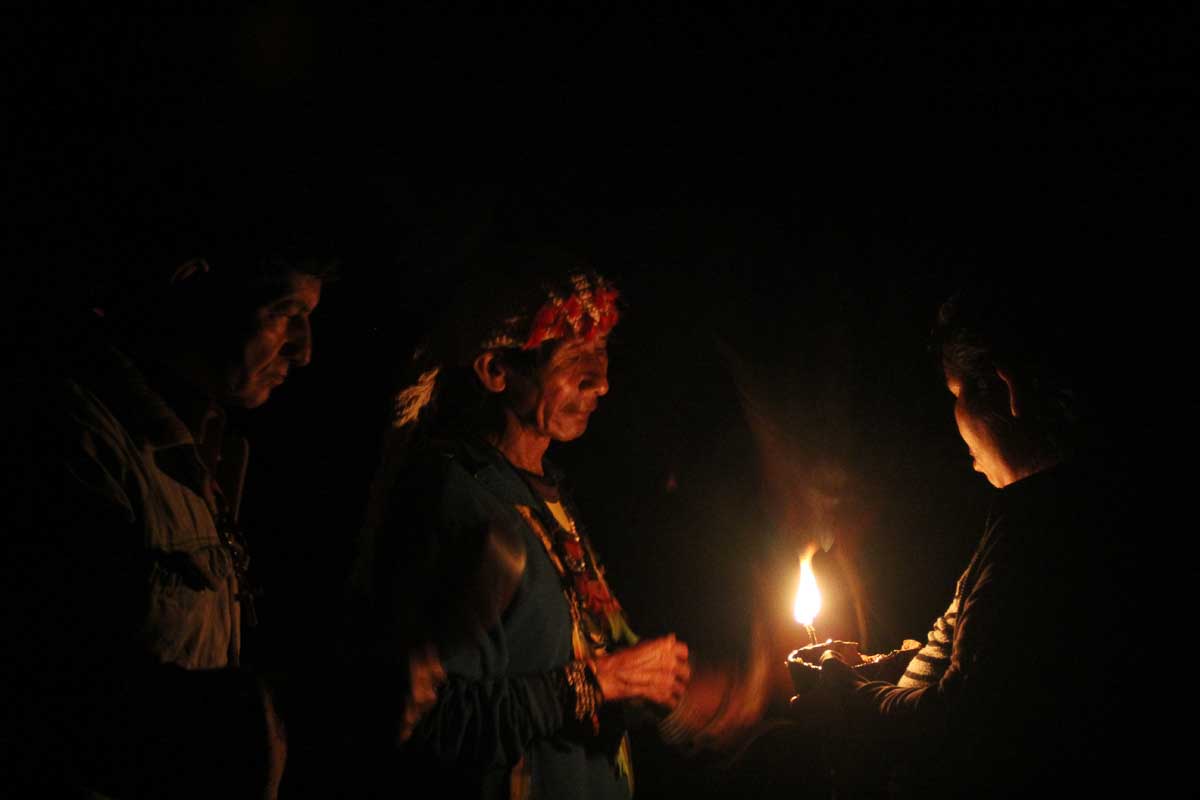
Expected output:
(565, 389)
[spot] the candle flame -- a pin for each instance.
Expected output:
(808, 597)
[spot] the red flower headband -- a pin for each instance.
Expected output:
(590, 310)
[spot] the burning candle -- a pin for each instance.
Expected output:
(808, 597)
(802, 663)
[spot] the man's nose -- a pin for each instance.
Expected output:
(596, 378)
(298, 348)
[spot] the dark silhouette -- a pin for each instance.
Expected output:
(1017, 687)
(131, 585)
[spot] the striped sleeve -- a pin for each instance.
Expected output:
(931, 661)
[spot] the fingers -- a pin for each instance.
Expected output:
(831, 655)
(659, 665)
(656, 670)
(834, 671)
(426, 675)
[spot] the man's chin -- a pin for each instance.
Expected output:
(250, 398)
(569, 433)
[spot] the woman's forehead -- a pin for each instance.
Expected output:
(573, 345)
(295, 287)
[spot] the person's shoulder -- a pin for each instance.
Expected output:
(441, 461)
(1071, 520)
(60, 405)
(1078, 490)
(446, 473)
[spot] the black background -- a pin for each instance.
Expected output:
(798, 188)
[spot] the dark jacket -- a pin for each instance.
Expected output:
(121, 605)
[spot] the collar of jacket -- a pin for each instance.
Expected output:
(491, 469)
(126, 391)
(143, 411)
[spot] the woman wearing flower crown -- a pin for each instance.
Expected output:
(483, 582)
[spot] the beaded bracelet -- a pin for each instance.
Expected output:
(585, 689)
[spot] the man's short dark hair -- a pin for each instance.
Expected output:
(147, 310)
(1031, 332)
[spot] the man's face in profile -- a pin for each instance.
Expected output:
(278, 338)
(566, 389)
(987, 455)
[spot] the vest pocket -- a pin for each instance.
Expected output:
(188, 594)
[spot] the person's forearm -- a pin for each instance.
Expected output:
(895, 705)
(491, 722)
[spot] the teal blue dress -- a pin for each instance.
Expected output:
(503, 725)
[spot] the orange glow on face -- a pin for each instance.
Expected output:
(808, 597)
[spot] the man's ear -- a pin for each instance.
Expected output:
(1016, 393)
(187, 269)
(490, 371)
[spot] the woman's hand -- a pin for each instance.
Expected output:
(425, 675)
(655, 670)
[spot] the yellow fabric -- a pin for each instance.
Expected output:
(619, 627)
(561, 515)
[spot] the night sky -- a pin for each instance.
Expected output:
(784, 199)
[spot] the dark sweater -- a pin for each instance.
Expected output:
(1035, 692)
